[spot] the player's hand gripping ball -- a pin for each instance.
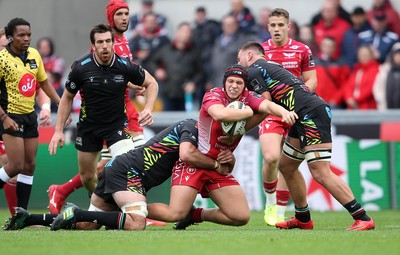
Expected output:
(237, 127)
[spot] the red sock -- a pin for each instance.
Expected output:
(196, 215)
(270, 187)
(282, 197)
(11, 196)
(70, 186)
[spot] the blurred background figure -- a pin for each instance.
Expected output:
(387, 84)
(331, 24)
(148, 40)
(342, 13)
(224, 52)
(306, 36)
(53, 64)
(243, 16)
(379, 37)
(261, 27)
(332, 73)
(3, 39)
(136, 21)
(392, 16)
(205, 32)
(351, 42)
(358, 87)
(178, 69)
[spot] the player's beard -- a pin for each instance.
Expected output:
(119, 30)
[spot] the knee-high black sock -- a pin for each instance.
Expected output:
(23, 194)
(40, 219)
(113, 220)
(356, 211)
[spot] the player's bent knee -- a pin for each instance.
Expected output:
(138, 208)
(121, 147)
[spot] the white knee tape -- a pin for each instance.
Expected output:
(139, 208)
(121, 147)
(93, 208)
(318, 155)
(292, 152)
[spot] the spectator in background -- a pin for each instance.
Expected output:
(148, 40)
(177, 66)
(136, 21)
(379, 37)
(342, 13)
(351, 42)
(224, 52)
(3, 39)
(331, 24)
(243, 16)
(306, 36)
(261, 27)
(387, 83)
(392, 16)
(294, 31)
(331, 74)
(358, 87)
(54, 65)
(205, 32)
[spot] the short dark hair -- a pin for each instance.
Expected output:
(254, 46)
(11, 26)
(277, 12)
(100, 29)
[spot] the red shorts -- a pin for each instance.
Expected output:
(2, 148)
(273, 124)
(202, 180)
(133, 118)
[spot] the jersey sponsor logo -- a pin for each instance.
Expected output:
(270, 55)
(289, 55)
(118, 78)
(32, 63)
(294, 47)
(290, 64)
(27, 85)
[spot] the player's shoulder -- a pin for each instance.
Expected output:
(33, 53)
(268, 45)
(296, 45)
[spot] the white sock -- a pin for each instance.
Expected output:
(270, 198)
(280, 211)
(3, 175)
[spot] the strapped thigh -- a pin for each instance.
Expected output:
(292, 152)
(319, 154)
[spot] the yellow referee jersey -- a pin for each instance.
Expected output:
(19, 80)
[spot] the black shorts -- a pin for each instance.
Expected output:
(90, 138)
(119, 175)
(314, 127)
(28, 125)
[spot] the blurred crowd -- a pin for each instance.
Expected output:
(356, 52)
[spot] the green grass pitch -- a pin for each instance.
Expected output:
(328, 237)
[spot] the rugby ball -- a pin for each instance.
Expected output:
(234, 128)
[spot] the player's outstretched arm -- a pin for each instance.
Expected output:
(151, 93)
